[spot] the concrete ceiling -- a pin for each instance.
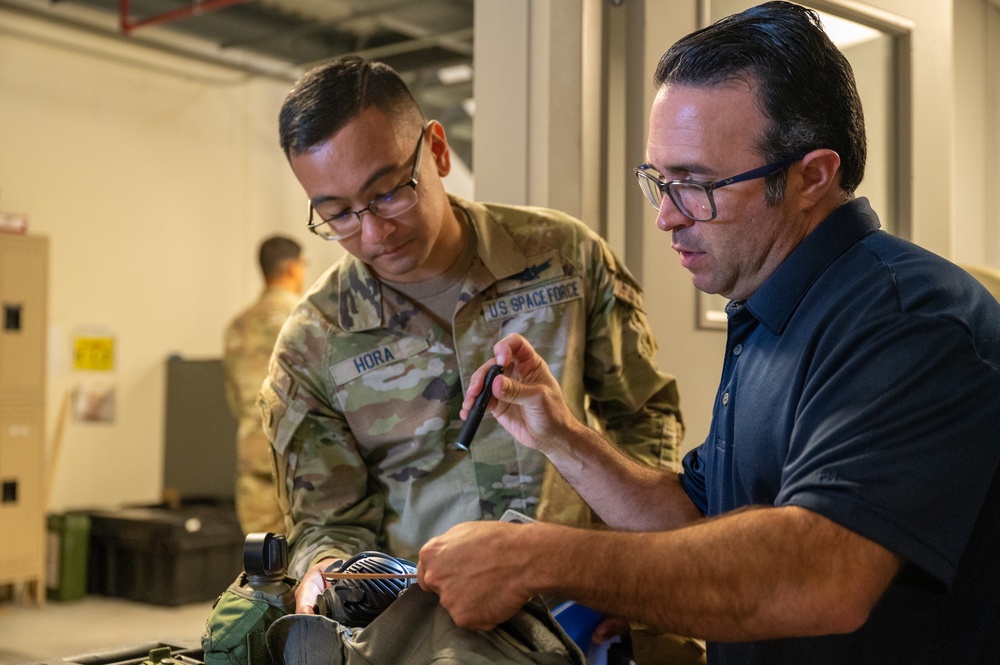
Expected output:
(428, 41)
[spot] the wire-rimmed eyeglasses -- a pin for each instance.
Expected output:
(694, 199)
(391, 204)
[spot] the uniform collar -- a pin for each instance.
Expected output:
(363, 298)
(497, 250)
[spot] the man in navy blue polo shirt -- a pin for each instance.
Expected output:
(850, 474)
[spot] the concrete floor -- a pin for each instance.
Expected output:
(31, 634)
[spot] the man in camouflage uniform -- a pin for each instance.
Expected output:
(365, 386)
(247, 345)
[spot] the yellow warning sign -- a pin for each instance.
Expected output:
(94, 353)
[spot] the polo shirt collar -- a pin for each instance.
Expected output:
(776, 299)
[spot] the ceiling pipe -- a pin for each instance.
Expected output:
(451, 41)
(127, 25)
(244, 62)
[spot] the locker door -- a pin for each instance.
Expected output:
(23, 305)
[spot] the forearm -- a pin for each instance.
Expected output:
(626, 494)
(310, 543)
(328, 518)
(758, 574)
(318, 538)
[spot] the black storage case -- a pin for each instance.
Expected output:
(162, 556)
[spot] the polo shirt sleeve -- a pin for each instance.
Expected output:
(693, 480)
(895, 438)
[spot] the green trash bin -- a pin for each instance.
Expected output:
(66, 555)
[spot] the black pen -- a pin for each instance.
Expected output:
(478, 409)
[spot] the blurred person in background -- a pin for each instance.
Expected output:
(247, 345)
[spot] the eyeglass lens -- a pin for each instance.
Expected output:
(390, 204)
(334, 226)
(690, 198)
(693, 200)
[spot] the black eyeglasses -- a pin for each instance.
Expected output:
(693, 199)
(395, 202)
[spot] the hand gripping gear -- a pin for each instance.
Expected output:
(356, 602)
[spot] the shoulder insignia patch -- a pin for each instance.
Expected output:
(531, 273)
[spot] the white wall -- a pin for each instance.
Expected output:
(154, 182)
(977, 137)
(527, 88)
(693, 355)
(933, 121)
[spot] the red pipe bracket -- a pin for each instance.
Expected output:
(127, 25)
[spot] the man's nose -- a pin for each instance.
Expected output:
(669, 217)
(374, 229)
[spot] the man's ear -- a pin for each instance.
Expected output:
(439, 147)
(818, 174)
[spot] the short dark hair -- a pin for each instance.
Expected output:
(274, 252)
(329, 96)
(804, 84)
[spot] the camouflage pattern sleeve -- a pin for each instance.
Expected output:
(321, 478)
(232, 387)
(632, 401)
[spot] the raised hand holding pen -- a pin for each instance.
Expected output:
(527, 400)
(475, 414)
